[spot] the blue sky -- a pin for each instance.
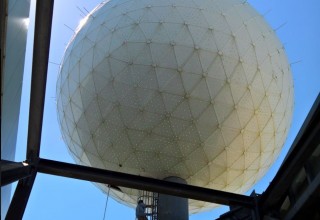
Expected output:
(55, 197)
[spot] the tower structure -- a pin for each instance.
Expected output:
(14, 26)
(199, 90)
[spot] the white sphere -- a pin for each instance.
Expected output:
(198, 89)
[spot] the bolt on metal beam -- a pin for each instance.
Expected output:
(13, 171)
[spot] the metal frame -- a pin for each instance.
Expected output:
(26, 172)
(143, 183)
(12, 171)
(43, 22)
(312, 190)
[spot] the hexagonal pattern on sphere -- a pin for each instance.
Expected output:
(198, 89)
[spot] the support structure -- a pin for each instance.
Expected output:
(143, 183)
(11, 171)
(173, 207)
(43, 22)
(27, 175)
(307, 148)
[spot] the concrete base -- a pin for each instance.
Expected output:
(172, 207)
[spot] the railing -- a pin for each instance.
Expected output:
(151, 201)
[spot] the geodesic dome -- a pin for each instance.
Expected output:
(198, 89)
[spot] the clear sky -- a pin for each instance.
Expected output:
(53, 197)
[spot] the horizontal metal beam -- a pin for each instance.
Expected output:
(143, 183)
(13, 171)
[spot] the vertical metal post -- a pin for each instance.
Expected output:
(256, 210)
(42, 35)
(173, 207)
(41, 46)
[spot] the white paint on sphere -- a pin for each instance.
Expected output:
(198, 89)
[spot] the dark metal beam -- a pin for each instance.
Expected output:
(42, 35)
(41, 45)
(13, 171)
(21, 196)
(143, 183)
